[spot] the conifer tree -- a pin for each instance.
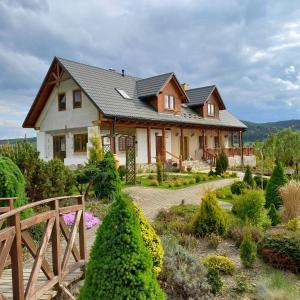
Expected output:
(248, 178)
(277, 180)
(274, 215)
(221, 164)
(120, 266)
(248, 250)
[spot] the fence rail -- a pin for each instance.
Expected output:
(15, 236)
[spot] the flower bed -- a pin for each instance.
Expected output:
(89, 219)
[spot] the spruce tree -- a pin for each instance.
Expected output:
(120, 266)
(210, 218)
(248, 178)
(107, 182)
(221, 164)
(159, 171)
(277, 180)
(274, 215)
(248, 250)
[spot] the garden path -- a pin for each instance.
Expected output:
(151, 200)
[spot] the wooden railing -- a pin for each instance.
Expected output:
(210, 155)
(15, 237)
(231, 151)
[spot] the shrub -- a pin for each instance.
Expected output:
(241, 283)
(274, 215)
(159, 171)
(211, 173)
(277, 180)
(59, 180)
(248, 250)
(153, 182)
(176, 220)
(151, 240)
(281, 249)
(290, 195)
(107, 181)
(221, 164)
(293, 225)
(210, 218)
(204, 177)
(236, 232)
(170, 184)
(122, 172)
(213, 240)
(198, 178)
(224, 193)
(192, 181)
(97, 208)
(261, 182)
(249, 207)
(183, 275)
(151, 176)
(120, 266)
(95, 152)
(248, 178)
(238, 187)
(12, 184)
(185, 182)
(221, 263)
(214, 280)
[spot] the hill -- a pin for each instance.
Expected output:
(260, 131)
(31, 140)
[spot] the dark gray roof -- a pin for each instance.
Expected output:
(100, 86)
(151, 86)
(199, 95)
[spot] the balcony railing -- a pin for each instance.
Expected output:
(230, 152)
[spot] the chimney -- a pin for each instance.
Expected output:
(185, 86)
(123, 72)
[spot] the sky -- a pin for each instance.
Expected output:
(249, 48)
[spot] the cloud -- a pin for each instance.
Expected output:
(250, 49)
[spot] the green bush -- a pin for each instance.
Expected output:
(151, 240)
(224, 193)
(122, 172)
(159, 171)
(293, 225)
(198, 178)
(248, 178)
(221, 263)
(213, 240)
(120, 266)
(241, 283)
(248, 250)
(221, 164)
(281, 249)
(238, 187)
(107, 182)
(176, 220)
(274, 215)
(210, 217)
(153, 182)
(277, 180)
(183, 276)
(59, 180)
(211, 173)
(261, 181)
(249, 207)
(214, 280)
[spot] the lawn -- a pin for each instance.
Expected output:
(178, 181)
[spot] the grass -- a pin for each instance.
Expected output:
(224, 194)
(175, 182)
(277, 285)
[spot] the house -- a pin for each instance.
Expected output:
(158, 115)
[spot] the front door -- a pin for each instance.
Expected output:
(185, 148)
(158, 147)
(59, 147)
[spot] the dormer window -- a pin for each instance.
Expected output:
(169, 102)
(211, 109)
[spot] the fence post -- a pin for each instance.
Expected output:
(56, 244)
(17, 259)
(82, 240)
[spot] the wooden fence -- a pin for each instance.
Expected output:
(15, 237)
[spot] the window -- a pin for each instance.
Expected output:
(211, 109)
(125, 142)
(169, 102)
(62, 102)
(77, 99)
(80, 142)
(123, 94)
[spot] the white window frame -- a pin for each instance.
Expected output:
(169, 102)
(211, 109)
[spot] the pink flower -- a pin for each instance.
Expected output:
(89, 219)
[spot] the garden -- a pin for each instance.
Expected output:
(251, 251)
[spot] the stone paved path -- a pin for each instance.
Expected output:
(151, 200)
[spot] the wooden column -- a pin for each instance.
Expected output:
(181, 142)
(232, 138)
(203, 145)
(149, 144)
(163, 144)
(240, 141)
(219, 141)
(16, 255)
(242, 148)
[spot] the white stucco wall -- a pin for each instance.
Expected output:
(52, 122)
